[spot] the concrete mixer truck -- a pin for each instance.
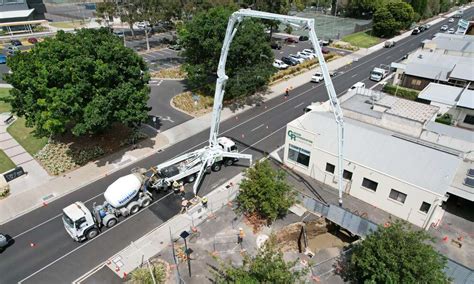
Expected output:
(124, 197)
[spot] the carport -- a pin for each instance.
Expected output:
(26, 25)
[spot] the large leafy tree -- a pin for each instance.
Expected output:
(402, 12)
(363, 8)
(268, 266)
(265, 192)
(396, 254)
(384, 23)
(249, 63)
(79, 83)
(392, 17)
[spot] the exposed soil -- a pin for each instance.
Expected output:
(288, 236)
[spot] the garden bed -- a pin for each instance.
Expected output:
(169, 73)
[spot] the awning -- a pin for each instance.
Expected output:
(16, 14)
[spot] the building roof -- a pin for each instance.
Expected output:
(462, 71)
(396, 106)
(16, 14)
(436, 66)
(441, 93)
(384, 151)
(459, 43)
(450, 131)
(466, 99)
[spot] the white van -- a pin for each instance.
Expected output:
(358, 85)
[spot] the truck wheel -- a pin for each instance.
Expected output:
(191, 178)
(146, 201)
(112, 222)
(133, 207)
(92, 233)
(216, 167)
(229, 162)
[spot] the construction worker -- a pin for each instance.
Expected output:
(287, 92)
(184, 205)
(204, 202)
(181, 190)
(176, 186)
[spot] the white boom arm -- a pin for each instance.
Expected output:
(232, 26)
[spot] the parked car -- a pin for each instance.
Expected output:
(279, 64)
(444, 27)
(291, 40)
(317, 77)
(389, 43)
(296, 57)
(3, 59)
(323, 42)
(303, 38)
(142, 25)
(415, 31)
(451, 20)
(422, 28)
(33, 40)
(12, 49)
(15, 42)
(290, 61)
(305, 55)
(325, 50)
(427, 26)
(358, 85)
(175, 47)
(275, 45)
(5, 241)
(451, 31)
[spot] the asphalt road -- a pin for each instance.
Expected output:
(57, 259)
(162, 59)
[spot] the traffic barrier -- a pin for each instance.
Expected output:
(45, 204)
(445, 239)
(124, 275)
(108, 262)
(117, 269)
(32, 244)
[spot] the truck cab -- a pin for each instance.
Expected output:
(378, 74)
(79, 222)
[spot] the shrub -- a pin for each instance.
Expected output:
(402, 92)
(445, 119)
(143, 276)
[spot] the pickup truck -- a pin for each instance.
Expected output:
(378, 74)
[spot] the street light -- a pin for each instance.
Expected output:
(187, 251)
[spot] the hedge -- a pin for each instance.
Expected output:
(402, 92)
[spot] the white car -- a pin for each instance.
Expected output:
(303, 55)
(309, 54)
(317, 77)
(451, 31)
(296, 57)
(279, 64)
(444, 27)
(451, 20)
(358, 85)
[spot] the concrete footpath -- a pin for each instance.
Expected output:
(24, 202)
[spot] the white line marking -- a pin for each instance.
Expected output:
(299, 105)
(354, 75)
(89, 242)
(263, 138)
(256, 127)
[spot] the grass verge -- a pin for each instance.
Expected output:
(4, 93)
(24, 136)
(171, 73)
(67, 25)
(5, 162)
(185, 102)
(361, 39)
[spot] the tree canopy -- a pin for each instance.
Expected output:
(391, 17)
(249, 62)
(268, 266)
(79, 82)
(264, 191)
(396, 254)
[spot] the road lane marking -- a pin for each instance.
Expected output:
(256, 127)
(90, 241)
(300, 103)
(354, 75)
(264, 138)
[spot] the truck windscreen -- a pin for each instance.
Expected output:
(68, 220)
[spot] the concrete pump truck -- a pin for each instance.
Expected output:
(129, 193)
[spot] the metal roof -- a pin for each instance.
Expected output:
(435, 66)
(459, 43)
(451, 131)
(463, 71)
(466, 99)
(381, 150)
(16, 14)
(440, 93)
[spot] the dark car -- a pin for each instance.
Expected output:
(324, 50)
(290, 61)
(415, 31)
(291, 40)
(3, 59)
(303, 38)
(275, 45)
(422, 28)
(15, 42)
(32, 40)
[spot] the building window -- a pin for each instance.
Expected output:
(469, 119)
(425, 207)
(369, 184)
(347, 175)
(398, 196)
(330, 168)
(298, 155)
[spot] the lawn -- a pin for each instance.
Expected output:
(361, 39)
(4, 107)
(24, 136)
(5, 162)
(67, 25)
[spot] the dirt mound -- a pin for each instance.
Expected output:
(287, 237)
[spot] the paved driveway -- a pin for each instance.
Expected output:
(162, 59)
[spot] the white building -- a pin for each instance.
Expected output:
(400, 173)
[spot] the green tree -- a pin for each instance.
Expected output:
(249, 63)
(106, 10)
(80, 82)
(396, 254)
(143, 275)
(363, 8)
(392, 17)
(268, 266)
(420, 7)
(271, 6)
(384, 23)
(402, 12)
(265, 192)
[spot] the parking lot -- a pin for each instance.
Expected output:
(162, 59)
(293, 48)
